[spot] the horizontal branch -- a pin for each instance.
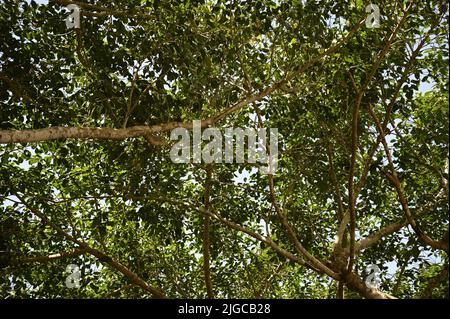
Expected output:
(55, 133)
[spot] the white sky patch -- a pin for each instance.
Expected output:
(44, 2)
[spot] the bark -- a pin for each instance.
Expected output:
(356, 283)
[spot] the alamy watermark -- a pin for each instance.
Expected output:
(373, 279)
(262, 146)
(373, 19)
(73, 280)
(73, 19)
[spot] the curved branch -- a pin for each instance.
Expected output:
(156, 292)
(355, 282)
(401, 194)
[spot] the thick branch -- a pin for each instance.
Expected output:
(375, 237)
(355, 282)
(54, 133)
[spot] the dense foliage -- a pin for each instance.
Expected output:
(362, 179)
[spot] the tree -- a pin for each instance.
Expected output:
(86, 176)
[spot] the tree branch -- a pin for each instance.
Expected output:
(103, 11)
(390, 106)
(206, 234)
(156, 292)
(284, 221)
(393, 177)
(337, 191)
(355, 118)
(53, 133)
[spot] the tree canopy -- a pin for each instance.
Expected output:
(86, 177)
